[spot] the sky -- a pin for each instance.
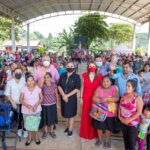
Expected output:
(56, 25)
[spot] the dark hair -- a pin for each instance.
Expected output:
(29, 76)
(133, 82)
(147, 64)
(18, 68)
(146, 107)
(48, 74)
(127, 63)
(107, 76)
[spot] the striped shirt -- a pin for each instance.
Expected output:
(49, 94)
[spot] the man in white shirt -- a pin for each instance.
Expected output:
(12, 92)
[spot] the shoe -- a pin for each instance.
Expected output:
(19, 132)
(44, 136)
(107, 145)
(66, 130)
(25, 134)
(27, 143)
(38, 142)
(70, 133)
(53, 135)
(98, 142)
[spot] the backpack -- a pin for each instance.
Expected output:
(6, 115)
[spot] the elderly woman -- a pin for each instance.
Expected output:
(130, 110)
(68, 86)
(47, 67)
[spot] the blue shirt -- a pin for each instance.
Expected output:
(104, 70)
(122, 80)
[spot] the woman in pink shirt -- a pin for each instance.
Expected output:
(108, 95)
(31, 99)
(130, 110)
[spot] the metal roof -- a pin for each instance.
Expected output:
(27, 11)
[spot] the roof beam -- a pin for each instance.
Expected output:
(5, 10)
(69, 5)
(129, 7)
(80, 2)
(109, 5)
(90, 8)
(118, 6)
(139, 9)
(145, 15)
(100, 5)
(38, 11)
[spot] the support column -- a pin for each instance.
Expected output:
(134, 38)
(13, 36)
(28, 37)
(148, 52)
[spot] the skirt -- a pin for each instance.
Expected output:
(48, 115)
(69, 110)
(108, 124)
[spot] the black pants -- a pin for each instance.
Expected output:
(129, 135)
(18, 117)
(148, 141)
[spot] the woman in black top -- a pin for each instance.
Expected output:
(68, 86)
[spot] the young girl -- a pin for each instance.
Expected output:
(49, 109)
(31, 98)
(144, 125)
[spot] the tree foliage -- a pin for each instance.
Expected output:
(121, 32)
(5, 29)
(92, 26)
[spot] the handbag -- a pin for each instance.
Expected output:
(32, 123)
(99, 111)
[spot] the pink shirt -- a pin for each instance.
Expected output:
(31, 98)
(128, 109)
(112, 106)
(40, 73)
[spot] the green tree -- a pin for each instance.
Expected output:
(66, 40)
(5, 29)
(92, 26)
(142, 40)
(121, 33)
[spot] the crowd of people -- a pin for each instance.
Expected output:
(114, 94)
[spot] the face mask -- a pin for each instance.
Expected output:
(92, 69)
(18, 75)
(99, 63)
(46, 63)
(70, 69)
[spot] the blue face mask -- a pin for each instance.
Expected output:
(99, 63)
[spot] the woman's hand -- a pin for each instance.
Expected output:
(29, 107)
(35, 106)
(81, 101)
(65, 98)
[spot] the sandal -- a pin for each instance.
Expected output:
(27, 143)
(38, 142)
(44, 136)
(98, 142)
(53, 135)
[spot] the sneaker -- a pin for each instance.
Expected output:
(98, 142)
(38, 142)
(44, 136)
(25, 134)
(19, 132)
(53, 135)
(70, 133)
(66, 130)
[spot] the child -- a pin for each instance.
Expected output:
(144, 125)
(49, 109)
(31, 98)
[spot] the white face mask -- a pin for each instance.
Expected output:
(99, 63)
(46, 63)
